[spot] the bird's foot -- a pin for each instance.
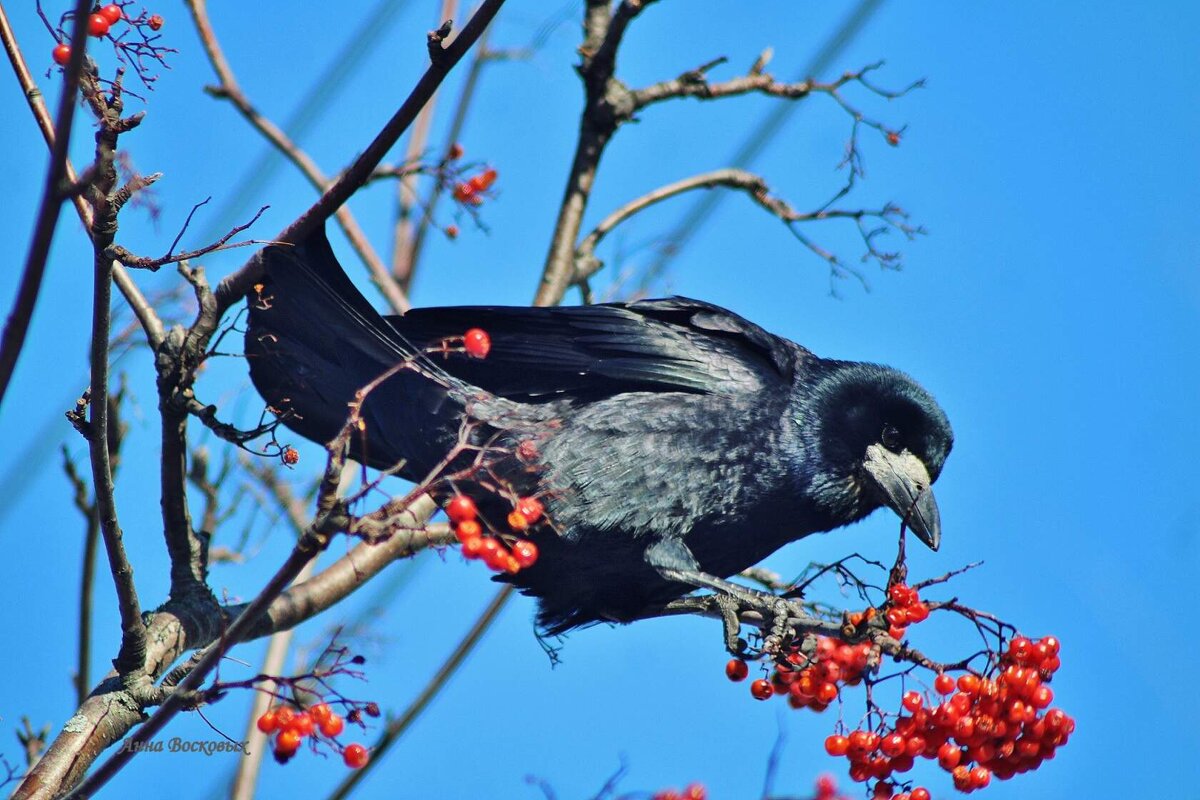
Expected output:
(732, 599)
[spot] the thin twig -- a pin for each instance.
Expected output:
(453, 135)
(403, 234)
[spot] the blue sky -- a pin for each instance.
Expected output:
(1052, 309)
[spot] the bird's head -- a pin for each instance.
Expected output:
(882, 441)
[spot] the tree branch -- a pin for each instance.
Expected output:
(101, 192)
(587, 264)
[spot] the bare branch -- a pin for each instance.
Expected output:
(119, 253)
(893, 217)
(403, 232)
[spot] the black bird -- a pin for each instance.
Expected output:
(674, 440)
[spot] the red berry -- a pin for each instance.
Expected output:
(464, 192)
(948, 756)
(494, 554)
(320, 712)
(302, 724)
(483, 181)
(284, 716)
(1052, 644)
(920, 793)
(61, 54)
(451, 231)
(267, 723)
(761, 689)
(98, 25)
(287, 742)
(736, 670)
(477, 343)
(526, 553)
(473, 548)
(155, 22)
(468, 529)
(913, 700)
(456, 152)
(968, 684)
(893, 138)
(917, 612)
(943, 683)
(837, 745)
(332, 726)
(291, 456)
(980, 777)
(517, 521)
(695, 791)
(1042, 697)
(112, 13)
(461, 509)
(355, 756)
(530, 508)
(892, 745)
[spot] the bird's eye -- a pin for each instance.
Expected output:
(891, 438)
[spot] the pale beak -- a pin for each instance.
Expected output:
(904, 486)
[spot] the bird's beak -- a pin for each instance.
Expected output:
(903, 482)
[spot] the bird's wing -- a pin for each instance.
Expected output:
(588, 352)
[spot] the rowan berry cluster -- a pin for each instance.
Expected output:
(693, 791)
(809, 680)
(904, 608)
(292, 726)
(500, 552)
(999, 724)
(473, 190)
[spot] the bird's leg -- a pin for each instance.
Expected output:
(675, 562)
(732, 623)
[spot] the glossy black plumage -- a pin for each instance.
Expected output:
(672, 434)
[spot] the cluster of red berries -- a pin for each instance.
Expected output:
(693, 791)
(104, 18)
(471, 191)
(995, 725)
(904, 608)
(291, 727)
(99, 23)
(493, 550)
(809, 681)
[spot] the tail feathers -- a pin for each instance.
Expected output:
(313, 341)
